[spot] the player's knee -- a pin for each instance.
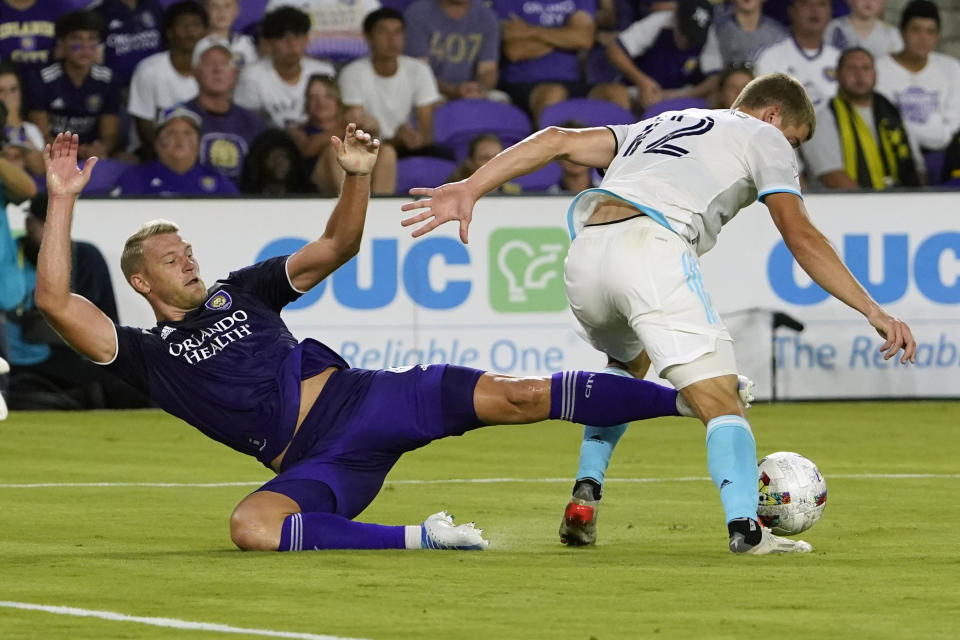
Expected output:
(526, 399)
(250, 531)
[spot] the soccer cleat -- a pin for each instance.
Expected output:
(439, 532)
(579, 525)
(744, 390)
(769, 543)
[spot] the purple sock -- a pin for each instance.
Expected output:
(329, 531)
(607, 400)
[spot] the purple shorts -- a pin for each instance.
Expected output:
(360, 425)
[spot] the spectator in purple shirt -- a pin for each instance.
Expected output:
(133, 32)
(460, 40)
(542, 42)
(227, 129)
(658, 56)
(75, 94)
(27, 31)
(177, 169)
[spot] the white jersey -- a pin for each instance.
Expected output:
(693, 170)
(816, 69)
(928, 99)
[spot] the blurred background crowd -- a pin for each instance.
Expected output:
(224, 96)
(220, 97)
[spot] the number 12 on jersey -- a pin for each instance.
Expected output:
(686, 126)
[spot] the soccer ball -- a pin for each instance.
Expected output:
(793, 493)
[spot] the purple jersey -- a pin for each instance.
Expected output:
(558, 65)
(156, 179)
(668, 65)
(73, 108)
(225, 138)
(130, 35)
(452, 47)
(230, 368)
(27, 35)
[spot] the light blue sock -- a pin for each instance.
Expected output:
(732, 460)
(598, 443)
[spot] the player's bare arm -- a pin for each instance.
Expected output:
(356, 154)
(78, 321)
(593, 147)
(820, 260)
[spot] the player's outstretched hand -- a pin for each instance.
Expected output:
(897, 335)
(64, 178)
(357, 152)
(451, 201)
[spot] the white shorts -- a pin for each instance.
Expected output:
(635, 285)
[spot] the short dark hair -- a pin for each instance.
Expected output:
(284, 20)
(383, 13)
(919, 9)
(9, 68)
(848, 52)
(184, 8)
(78, 21)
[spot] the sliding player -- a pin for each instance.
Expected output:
(223, 360)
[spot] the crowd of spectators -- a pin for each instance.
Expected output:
(295, 70)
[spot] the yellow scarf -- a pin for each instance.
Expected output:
(856, 137)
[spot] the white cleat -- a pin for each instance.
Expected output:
(439, 532)
(744, 389)
(769, 543)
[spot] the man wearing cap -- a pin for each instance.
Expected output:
(75, 94)
(165, 79)
(177, 169)
(805, 55)
(658, 56)
(227, 130)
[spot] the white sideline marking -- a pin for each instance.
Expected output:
(215, 485)
(167, 622)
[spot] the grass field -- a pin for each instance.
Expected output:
(886, 562)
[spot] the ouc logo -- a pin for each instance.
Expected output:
(927, 274)
(414, 273)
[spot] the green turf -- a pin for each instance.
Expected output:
(886, 562)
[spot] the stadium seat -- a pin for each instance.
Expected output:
(104, 176)
(674, 104)
(541, 179)
(593, 113)
(422, 171)
(456, 123)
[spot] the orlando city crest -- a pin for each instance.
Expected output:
(220, 301)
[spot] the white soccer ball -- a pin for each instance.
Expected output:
(793, 493)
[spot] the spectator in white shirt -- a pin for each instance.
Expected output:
(391, 87)
(276, 85)
(805, 55)
(924, 84)
(863, 27)
(166, 78)
(223, 13)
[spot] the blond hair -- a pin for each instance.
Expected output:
(779, 89)
(131, 260)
